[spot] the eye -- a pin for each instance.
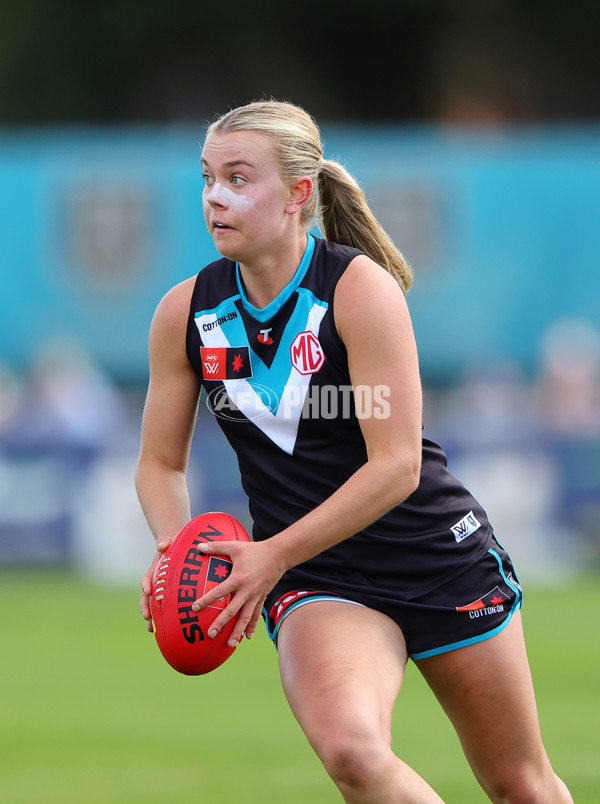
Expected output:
(207, 178)
(237, 180)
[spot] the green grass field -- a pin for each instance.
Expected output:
(91, 713)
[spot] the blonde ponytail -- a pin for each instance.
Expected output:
(346, 218)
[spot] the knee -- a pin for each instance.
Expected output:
(524, 786)
(515, 791)
(354, 761)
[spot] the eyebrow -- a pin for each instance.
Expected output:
(234, 163)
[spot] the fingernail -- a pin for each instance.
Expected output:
(212, 633)
(232, 643)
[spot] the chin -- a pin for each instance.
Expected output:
(230, 253)
(226, 248)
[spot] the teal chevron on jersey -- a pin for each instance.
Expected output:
(307, 316)
(223, 327)
(263, 314)
(277, 412)
(273, 395)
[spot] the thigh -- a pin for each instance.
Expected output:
(341, 668)
(487, 692)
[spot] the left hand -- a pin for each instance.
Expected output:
(255, 572)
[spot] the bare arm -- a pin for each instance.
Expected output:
(373, 321)
(167, 427)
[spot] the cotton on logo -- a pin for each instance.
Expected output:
(306, 353)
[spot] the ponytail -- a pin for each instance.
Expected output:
(346, 218)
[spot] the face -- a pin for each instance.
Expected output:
(245, 202)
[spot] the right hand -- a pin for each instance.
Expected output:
(161, 546)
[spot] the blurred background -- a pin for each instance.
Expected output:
(474, 129)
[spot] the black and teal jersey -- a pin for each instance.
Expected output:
(277, 380)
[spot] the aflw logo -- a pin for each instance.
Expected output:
(211, 367)
(467, 525)
(306, 353)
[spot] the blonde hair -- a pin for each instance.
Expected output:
(339, 207)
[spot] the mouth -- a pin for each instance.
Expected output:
(221, 227)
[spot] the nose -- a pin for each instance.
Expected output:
(216, 195)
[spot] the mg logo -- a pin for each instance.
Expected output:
(306, 353)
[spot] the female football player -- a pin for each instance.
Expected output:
(366, 551)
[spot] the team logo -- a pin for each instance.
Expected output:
(306, 353)
(225, 362)
(107, 233)
(218, 570)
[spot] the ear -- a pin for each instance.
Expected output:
(300, 192)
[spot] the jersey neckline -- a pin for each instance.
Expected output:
(264, 313)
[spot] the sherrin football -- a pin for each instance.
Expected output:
(182, 575)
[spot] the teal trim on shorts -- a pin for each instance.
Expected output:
(274, 635)
(488, 634)
(514, 585)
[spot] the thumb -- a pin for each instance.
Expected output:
(162, 545)
(220, 548)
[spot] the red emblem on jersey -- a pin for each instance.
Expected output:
(264, 337)
(225, 362)
(306, 353)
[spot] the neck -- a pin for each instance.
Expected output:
(265, 278)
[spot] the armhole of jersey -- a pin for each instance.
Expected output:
(191, 324)
(335, 335)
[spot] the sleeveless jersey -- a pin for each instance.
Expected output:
(277, 380)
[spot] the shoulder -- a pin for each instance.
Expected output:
(176, 301)
(169, 324)
(367, 297)
(333, 249)
(216, 281)
(334, 254)
(329, 262)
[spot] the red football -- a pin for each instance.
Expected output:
(182, 575)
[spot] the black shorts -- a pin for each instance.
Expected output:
(473, 606)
